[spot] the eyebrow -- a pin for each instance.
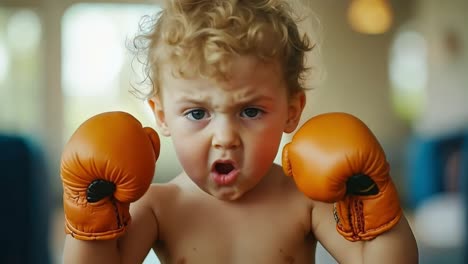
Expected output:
(248, 100)
(259, 98)
(188, 99)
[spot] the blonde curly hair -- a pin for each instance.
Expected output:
(200, 38)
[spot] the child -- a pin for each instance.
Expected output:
(228, 81)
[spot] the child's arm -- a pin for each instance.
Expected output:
(334, 158)
(107, 164)
(131, 247)
(99, 251)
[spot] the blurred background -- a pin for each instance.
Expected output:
(400, 65)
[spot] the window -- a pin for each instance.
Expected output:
(98, 73)
(408, 73)
(20, 37)
(96, 65)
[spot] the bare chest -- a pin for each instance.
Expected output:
(272, 231)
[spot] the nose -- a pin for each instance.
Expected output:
(225, 135)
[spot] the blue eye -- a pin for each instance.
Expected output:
(196, 114)
(251, 113)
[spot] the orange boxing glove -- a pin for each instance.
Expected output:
(108, 163)
(335, 158)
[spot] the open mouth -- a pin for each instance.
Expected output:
(224, 172)
(223, 168)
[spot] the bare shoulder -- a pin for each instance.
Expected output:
(285, 187)
(161, 195)
(287, 184)
(148, 214)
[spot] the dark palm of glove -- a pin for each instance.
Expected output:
(335, 158)
(108, 163)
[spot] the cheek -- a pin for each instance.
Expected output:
(191, 153)
(264, 147)
(267, 148)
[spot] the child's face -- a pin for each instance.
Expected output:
(226, 135)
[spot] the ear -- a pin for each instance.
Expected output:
(295, 106)
(157, 108)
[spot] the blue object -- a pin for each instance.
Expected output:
(25, 203)
(426, 165)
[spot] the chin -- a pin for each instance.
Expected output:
(223, 194)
